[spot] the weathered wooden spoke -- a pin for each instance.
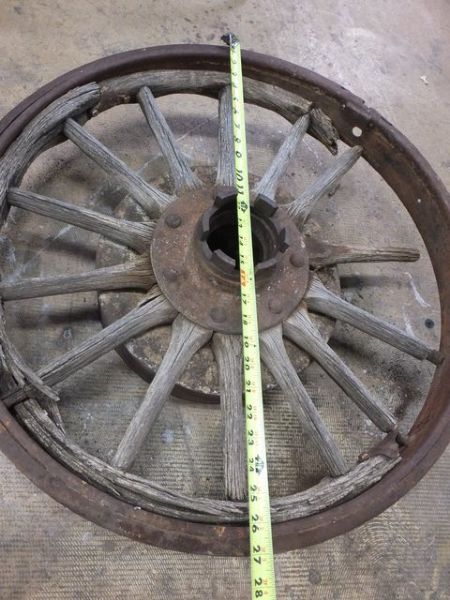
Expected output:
(154, 312)
(287, 104)
(187, 338)
(324, 254)
(225, 161)
(22, 375)
(228, 354)
(274, 356)
(320, 299)
(302, 332)
(152, 200)
(42, 132)
(141, 492)
(269, 182)
(301, 208)
(18, 369)
(136, 274)
(135, 235)
(181, 172)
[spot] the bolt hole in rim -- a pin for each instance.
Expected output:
(410, 176)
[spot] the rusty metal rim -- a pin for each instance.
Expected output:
(404, 169)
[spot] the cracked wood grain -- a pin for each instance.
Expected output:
(156, 311)
(324, 254)
(135, 235)
(269, 182)
(276, 359)
(301, 207)
(41, 132)
(289, 105)
(299, 329)
(228, 354)
(136, 274)
(320, 299)
(181, 172)
(138, 491)
(225, 161)
(151, 496)
(186, 339)
(150, 198)
(23, 376)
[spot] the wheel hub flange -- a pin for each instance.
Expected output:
(198, 272)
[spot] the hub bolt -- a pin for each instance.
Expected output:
(171, 274)
(218, 314)
(173, 221)
(275, 306)
(297, 259)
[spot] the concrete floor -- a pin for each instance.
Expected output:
(396, 57)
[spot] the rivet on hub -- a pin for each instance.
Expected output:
(173, 221)
(275, 306)
(297, 259)
(218, 314)
(171, 275)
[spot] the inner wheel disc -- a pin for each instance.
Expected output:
(174, 261)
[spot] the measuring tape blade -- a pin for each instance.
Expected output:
(261, 549)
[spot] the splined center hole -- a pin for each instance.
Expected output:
(224, 236)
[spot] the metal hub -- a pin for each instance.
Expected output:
(194, 258)
(200, 382)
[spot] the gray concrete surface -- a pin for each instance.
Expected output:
(396, 56)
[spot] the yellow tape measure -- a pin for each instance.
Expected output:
(261, 549)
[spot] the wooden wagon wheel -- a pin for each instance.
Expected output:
(181, 252)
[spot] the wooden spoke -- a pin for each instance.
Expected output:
(269, 182)
(187, 338)
(136, 274)
(152, 496)
(135, 235)
(22, 375)
(15, 365)
(302, 332)
(152, 200)
(324, 254)
(42, 132)
(228, 354)
(327, 181)
(181, 172)
(225, 164)
(288, 104)
(321, 300)
(322, 128)
(155, 312)
(274, 356)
